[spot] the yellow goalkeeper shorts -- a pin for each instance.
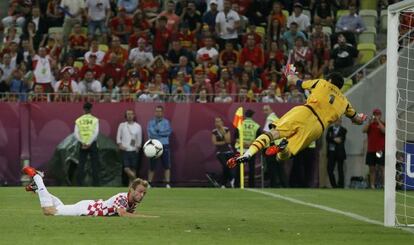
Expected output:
(300, 126)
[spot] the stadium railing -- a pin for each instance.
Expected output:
(148, 98)
(374, 63)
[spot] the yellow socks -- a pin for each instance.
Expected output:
(258, 144)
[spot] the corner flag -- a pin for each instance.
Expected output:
(238, 123)
(238, 118)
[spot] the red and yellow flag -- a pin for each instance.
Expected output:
(238, 123)
(238, 118)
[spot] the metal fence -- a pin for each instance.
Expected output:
(264, 97)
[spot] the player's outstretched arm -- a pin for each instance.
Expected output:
(359, 118)
(123, 213)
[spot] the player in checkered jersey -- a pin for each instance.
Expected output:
(122, 204)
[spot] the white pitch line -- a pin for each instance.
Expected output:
(326, 208)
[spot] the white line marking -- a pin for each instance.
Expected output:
(326, 208)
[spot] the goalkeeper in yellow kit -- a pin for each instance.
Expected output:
(305, 123)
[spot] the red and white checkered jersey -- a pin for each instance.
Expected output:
(110, 207)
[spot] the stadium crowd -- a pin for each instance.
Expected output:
(178, 51)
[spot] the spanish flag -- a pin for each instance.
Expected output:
(238, 123)
(238, 118)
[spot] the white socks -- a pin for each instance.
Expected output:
(44, 196)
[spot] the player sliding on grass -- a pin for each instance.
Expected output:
(122, 204)
(304, 124)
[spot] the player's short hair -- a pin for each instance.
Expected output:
(137, 182)
(336, 79)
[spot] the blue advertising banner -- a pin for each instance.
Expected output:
(408, 167)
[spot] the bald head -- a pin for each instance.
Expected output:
(267, 110)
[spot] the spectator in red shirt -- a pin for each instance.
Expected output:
(275, 53)
(121, 26)
(162, 37)
(140, 71)
(78, 42)
(228, 54)
(150, 7)
(114, 70)
(135, 85)
(93, 66)
(139, 20)
(272, 74)
(136, 35)
(301, 53)
(251, 30)
(118, 50)
(243, 5)
(159, 66)
(320, 44)
(252, 52)
(173, 20)
(375, 130)
(226, 82)
(187, 38)
(274, 33)
(201, 82)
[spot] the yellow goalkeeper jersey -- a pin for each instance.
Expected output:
(327, 101)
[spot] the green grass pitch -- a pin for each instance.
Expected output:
(202, 216)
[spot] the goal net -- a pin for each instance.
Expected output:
(399, 153)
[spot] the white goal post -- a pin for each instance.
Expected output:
(399, 192)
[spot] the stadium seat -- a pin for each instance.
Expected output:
(327, 30)
(369, 4)
(285, 13)
(103, 47)
(369, 16)
(55, 30)
(368, 51)
(368, 36)
(341, 13)
(261, 31)
(383, 21)
(78, 64)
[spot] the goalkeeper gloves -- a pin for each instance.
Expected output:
(359, 118)
(237, 159)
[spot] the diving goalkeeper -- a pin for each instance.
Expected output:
(305, 123)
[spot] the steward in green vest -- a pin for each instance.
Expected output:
(86, 132)
(274, 169)
(251, 132)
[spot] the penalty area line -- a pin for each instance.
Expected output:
(326, 208)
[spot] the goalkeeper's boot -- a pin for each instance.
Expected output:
(31, 187)
(32, 171)
(274, 149)
(236, 160)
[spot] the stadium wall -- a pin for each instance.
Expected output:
(35, 129)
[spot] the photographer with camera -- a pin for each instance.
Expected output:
(375, 129)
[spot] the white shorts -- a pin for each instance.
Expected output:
(77, 209)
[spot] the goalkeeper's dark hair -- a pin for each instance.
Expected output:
(336, 79)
